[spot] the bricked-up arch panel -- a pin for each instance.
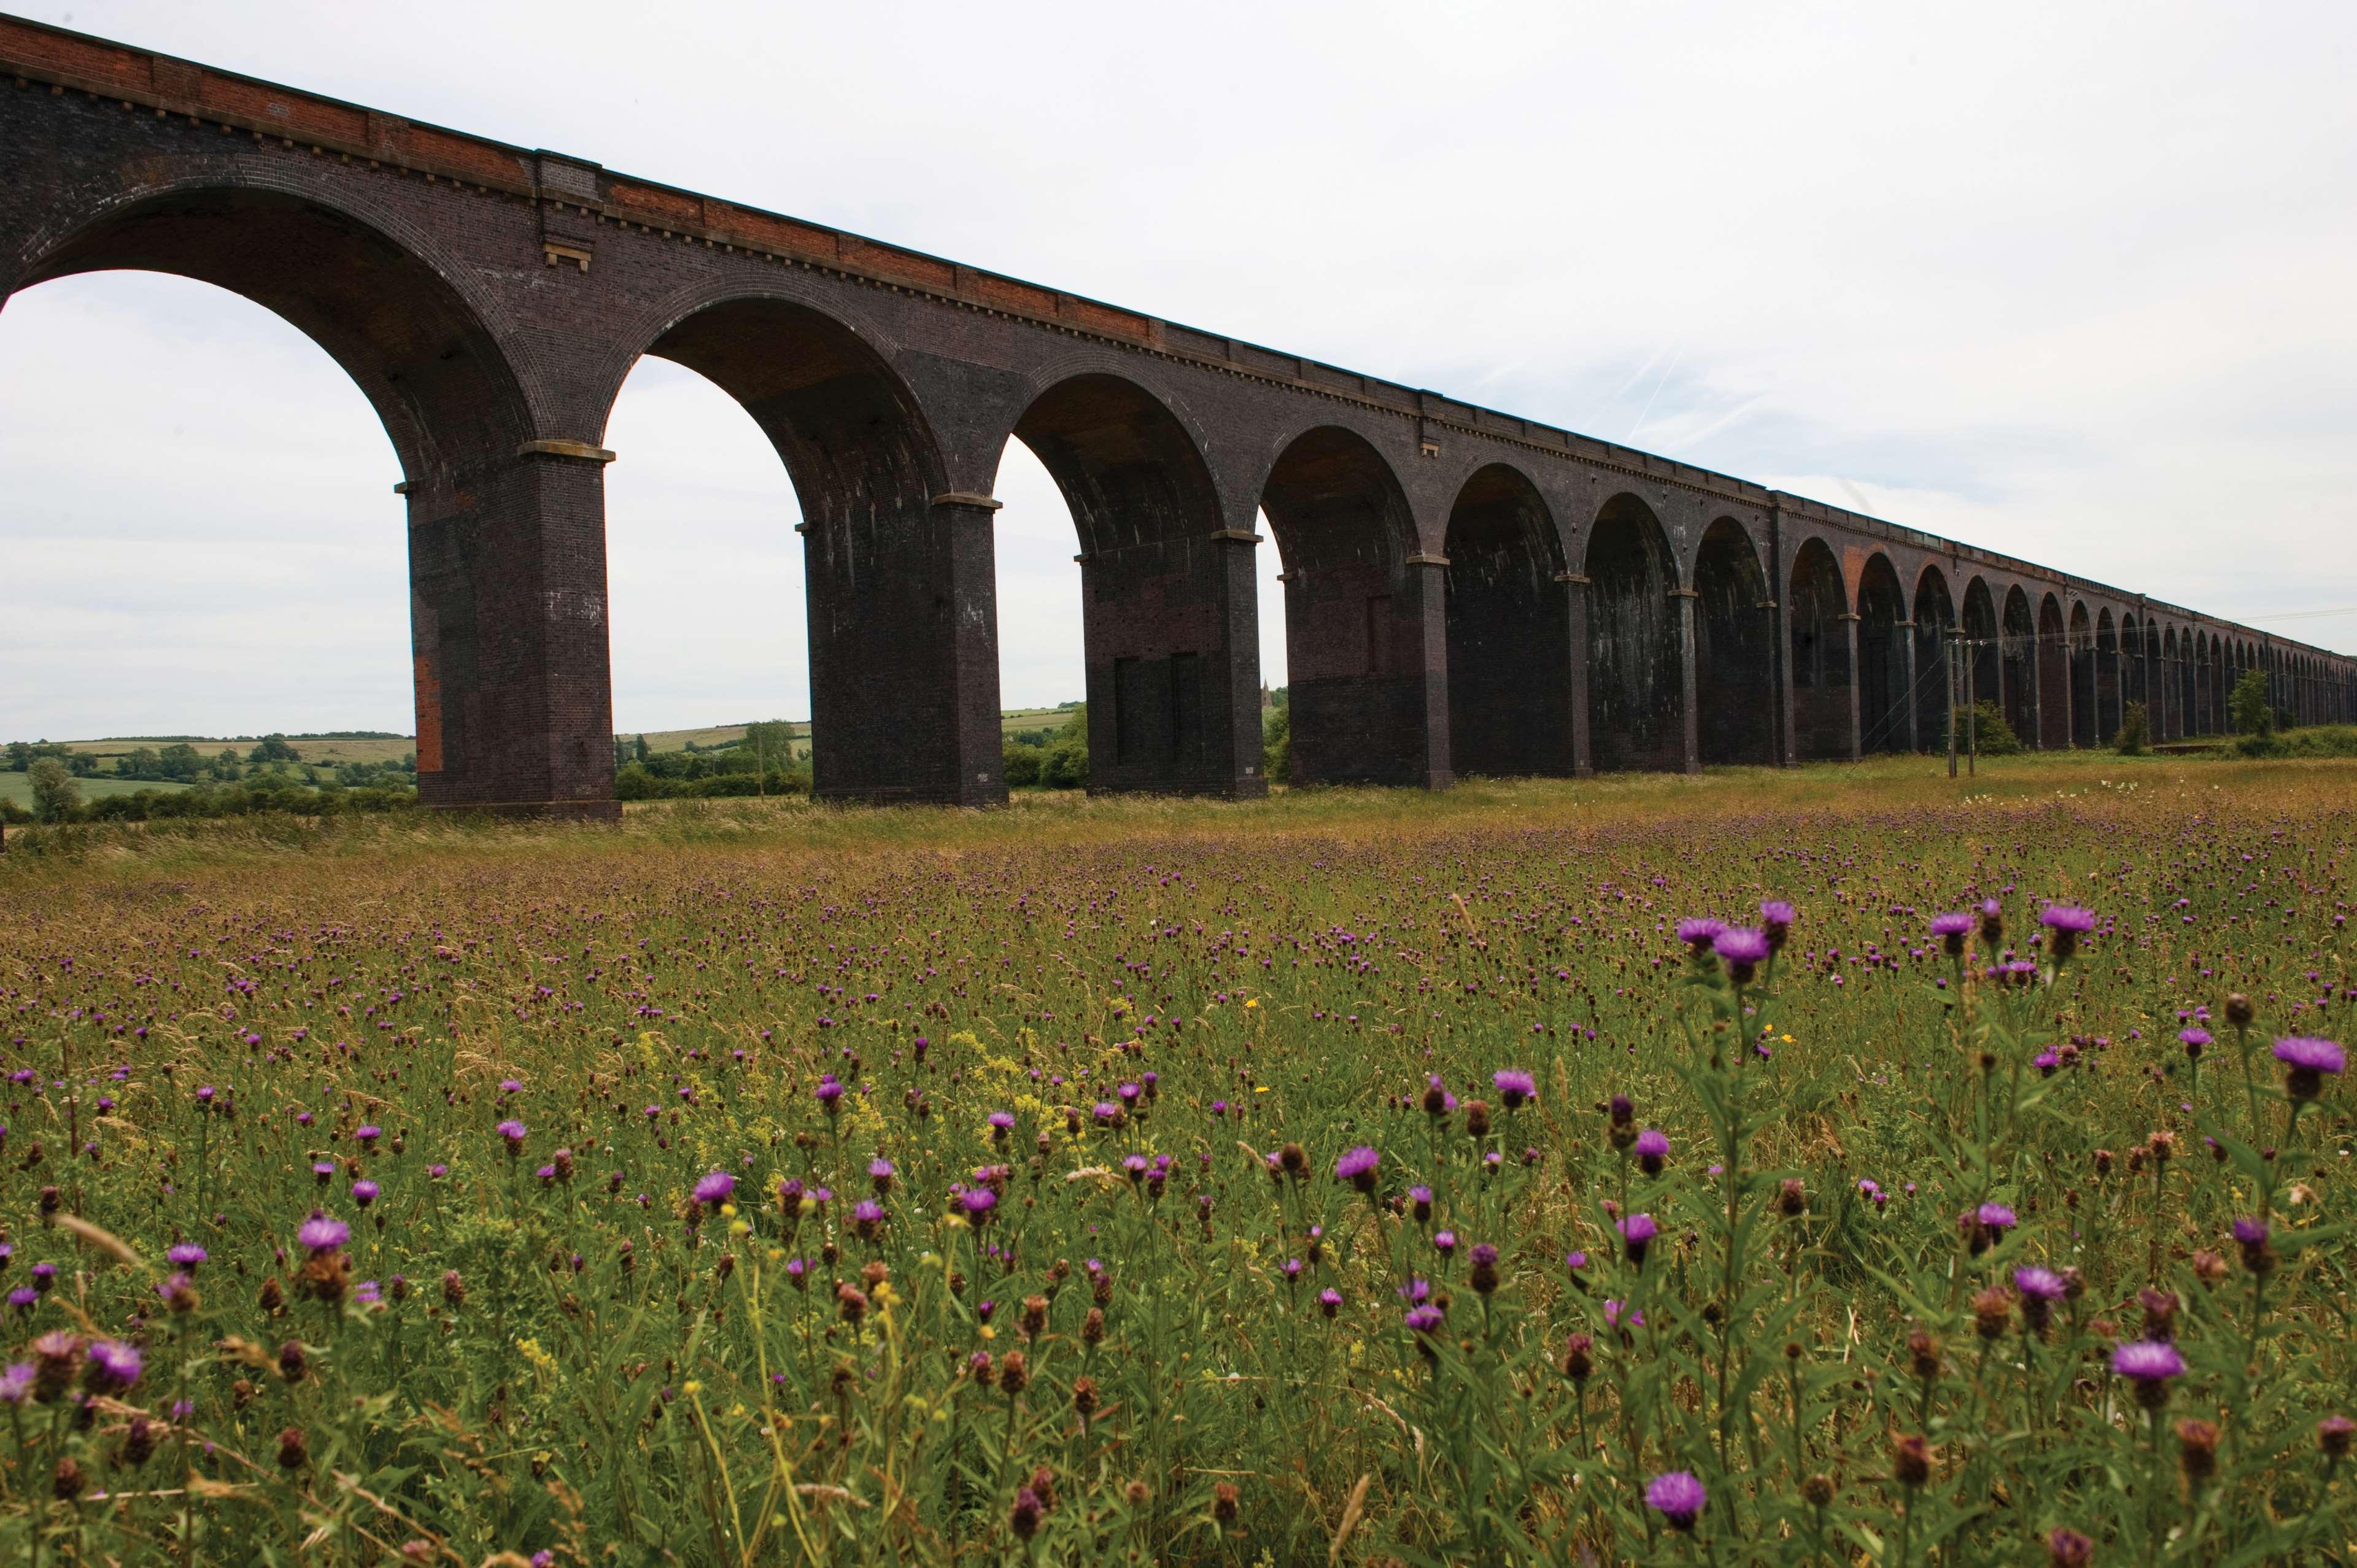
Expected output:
(1168, 622)
(892, 625)
(1735, 650)
(2053, 675)
(1354, 621)
(1510, 655)
(1884, 682)
(507, 562)
(1636, 682)
(2020, 666)
(1935, 622)
(1824, 674)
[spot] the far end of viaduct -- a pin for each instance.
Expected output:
(1465, 591)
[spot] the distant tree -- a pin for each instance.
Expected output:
(2248, 705)
(20, 756)
(1019, 763)
(180, 762)
(273, 748)
(226, 766)
(54, 793)
(1066, 763)
(82, 765)
(640, 751)
(773, 739)
(141, 762)
(1276, 744)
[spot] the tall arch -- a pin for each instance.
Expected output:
(1368, 696)
(903, 626)
(2105, 722)
(1935, 623)
(1173, 659)
(2021, 686)
(509, 660)
(2176, 679)
(1985, 675)
(1885, 659)
(2157, 690)
(1636, 678)
(1509, 655)
(1735, 650)
(2080, 654)
(2054, 685)
(1824, 682)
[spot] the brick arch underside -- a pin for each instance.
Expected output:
(1510, 654)
(1823, 692)
(1886, 676)
(1935, 623)
(887, 656)
(1356, 658)
(1168, 626)
(507, 564)
(1636, 680)
(2021, 644)
(1735, 650)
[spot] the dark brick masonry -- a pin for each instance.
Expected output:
(1464, 590)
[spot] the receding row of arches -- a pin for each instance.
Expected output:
(1530, 642)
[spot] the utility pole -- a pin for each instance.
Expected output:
(1955, 645)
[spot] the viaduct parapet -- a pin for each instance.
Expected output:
(1465, 591)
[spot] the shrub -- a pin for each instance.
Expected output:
(2136, 732)
(1021, 763)
(1989, 734)
(1276, 744)
(2248, 708)
(54, 793)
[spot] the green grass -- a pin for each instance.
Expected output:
(18, 788)
(618, 1363)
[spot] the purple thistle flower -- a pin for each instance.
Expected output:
(1002, 1122)
(1651, 1149)
(187, 1255)
(2306, 1061)
(1677, 1497)
(2065, 924)
(1951, 929)
(1514, 1086)
(513, 1131)
(1330, 1301)
(114, 1366)
(716, 1187)
(977, 1202)
(2251, 1232)
(1424, 1320)
(17, 1383)
(321, 1233)
(1744, 949)
(867, 1217)
(1443, 1242)
(364, 1193)
(1997, 1216)
(1637, 1233)
(1358, 1167)
(2148, 1363)
(1776, 919)
(1699, 932)
(2041, 1284)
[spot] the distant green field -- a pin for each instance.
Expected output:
(18, 788)
(323, 751)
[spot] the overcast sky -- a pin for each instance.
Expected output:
(2071, 282)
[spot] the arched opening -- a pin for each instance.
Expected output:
(2106, 721)
(1636, 682)
(2155, 677)
(152, 586)
(692, 647)
(1985, 681)
(1354, 615)
(1173, 684)
(2021, 688)
(1823, 715)
(1935, 623)
(892, 624)
(1735, 650)
(1509, 655)
(2054, 655)
(507, 632)
(1885, 650)
(2176, 681)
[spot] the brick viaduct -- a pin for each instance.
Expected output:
(1464, 591)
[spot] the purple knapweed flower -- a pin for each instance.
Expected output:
(114, 1366)
(1514, 1087)
(1699, 932)
(1637, 1233)
(364, 1193)
(513, 1131)
(17, 1383)
(1744, 950)
(2306, 1061)
(716, 1187)
(1358, 1167)
(1776, 919)
(186, 1255)
(322, 1233)
(1651, 1149)
(1677, 1497)
(2148, 1364)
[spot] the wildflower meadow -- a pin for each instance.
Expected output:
(1732, 1171)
